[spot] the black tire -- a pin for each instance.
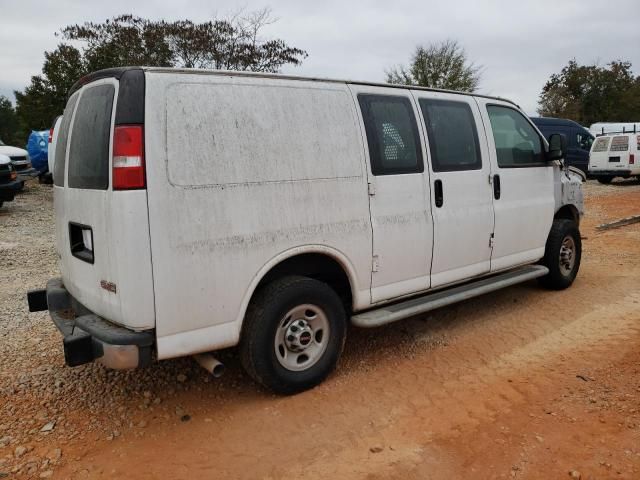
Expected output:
(560, 276)
(605, 180)
(21, 186)
(266, 314)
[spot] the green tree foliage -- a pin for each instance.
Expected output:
(589, 93)
(8, 122)
(233, 43)
(443, 65)
(45, 96)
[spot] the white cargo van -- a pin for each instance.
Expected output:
(199, 210)
(615, 155)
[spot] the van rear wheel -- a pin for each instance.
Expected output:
(605, 180)
(293, 334)
(562, 255)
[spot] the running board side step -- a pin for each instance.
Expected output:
(431, 301)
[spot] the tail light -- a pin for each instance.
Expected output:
(50, 135)
(128, 157)
(632, 159)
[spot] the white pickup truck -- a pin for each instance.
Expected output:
(199, 210)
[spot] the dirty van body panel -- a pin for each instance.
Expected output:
(102, 234)
(243, 173)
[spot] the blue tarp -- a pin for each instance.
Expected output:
(38, 148)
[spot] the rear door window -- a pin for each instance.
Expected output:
(601, 144)
(61, 142)
(517, 142)
(89, 146)
(619, 144)
(453, 138)
(392, 134)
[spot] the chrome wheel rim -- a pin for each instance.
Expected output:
(567, 255)
(302, 337)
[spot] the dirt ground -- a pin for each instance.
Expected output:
(523, 383)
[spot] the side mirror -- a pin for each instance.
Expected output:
(557, 147)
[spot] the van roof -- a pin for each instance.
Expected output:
(119, 71)
(556, 122)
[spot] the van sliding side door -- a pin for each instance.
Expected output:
(398, 191)
(461, 195)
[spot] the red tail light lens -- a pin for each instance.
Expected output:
(50, 135)
(632, 159)
(128, 157)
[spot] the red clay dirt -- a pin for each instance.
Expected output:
(522, 383)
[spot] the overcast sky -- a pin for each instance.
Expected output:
(518, 43)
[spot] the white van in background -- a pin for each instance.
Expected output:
(615, 155)
(603, 128)
(198, 210)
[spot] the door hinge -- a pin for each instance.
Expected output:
(492, 241)
(375, 264)
(490, 179)
(372, 189)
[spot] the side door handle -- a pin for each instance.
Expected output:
(437, 193)
(496, 187)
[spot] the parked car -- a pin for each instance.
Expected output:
(579, 139)
(8, 180)
(20, 161)
(615, 155)
(214, 209)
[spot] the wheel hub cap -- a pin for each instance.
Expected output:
(298, 336)
(567, 255)
(302, 337)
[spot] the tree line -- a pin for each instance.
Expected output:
(232, 43)
(583, 93)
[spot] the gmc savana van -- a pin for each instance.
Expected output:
(199, 210)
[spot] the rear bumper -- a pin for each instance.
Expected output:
(27, 174)
(88, 337)
(610, 173)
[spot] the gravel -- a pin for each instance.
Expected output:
(45, 405)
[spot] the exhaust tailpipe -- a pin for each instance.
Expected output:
(210, 364)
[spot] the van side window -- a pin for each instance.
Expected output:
(392, 134)
(89, 146)
(517, 142)
(61, 144)
(453, 138)
(584, 141)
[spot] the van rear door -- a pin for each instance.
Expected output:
(102, 233)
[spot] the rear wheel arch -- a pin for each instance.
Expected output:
(568, 212)
(319, 262)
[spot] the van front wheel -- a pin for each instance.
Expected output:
(562, 254)
(293, 334)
